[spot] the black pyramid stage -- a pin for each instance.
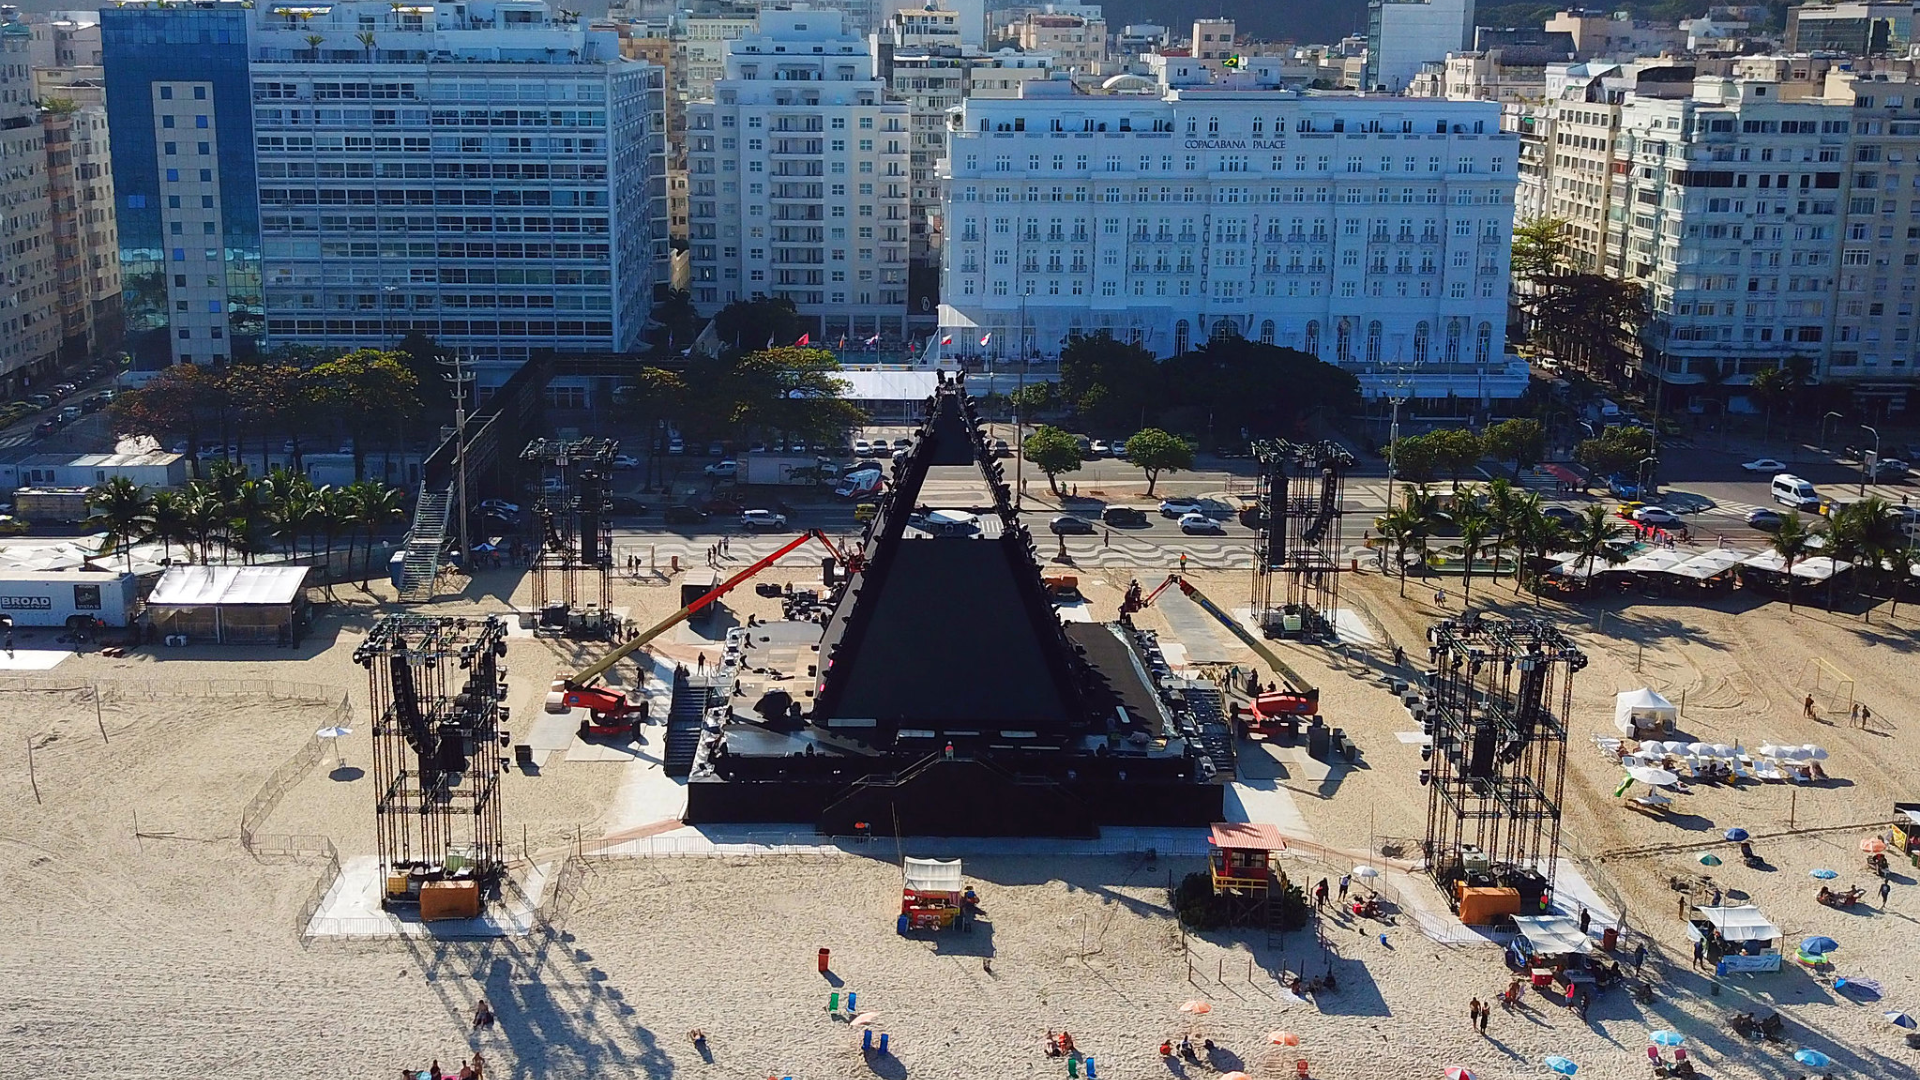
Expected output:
(944, 696)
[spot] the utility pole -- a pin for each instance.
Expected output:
(1019, 437)
(460, 379)
(1401, 387)
(1869, 465)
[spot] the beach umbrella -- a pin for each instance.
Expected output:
(1817, 753)
(865, 1018)
(1649, 775)
(1667, 1038)
(1736, 833)
(1460, 1072)
(1699, 749)
(333, 732)
(1561, 1065)
(1365, 872)
(1283, 1038)
(1769, 750)
(1899, 1019)
(1197, 1008)
(1235, 1074)
(1813, 1058)
(1824, 874)
(1795, 753)
(1859, 985)
(1818, 945)
(1873, 845)
(1707, 858)
(1722, 750)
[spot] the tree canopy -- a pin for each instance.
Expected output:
(1155, 451)
(1053, 452)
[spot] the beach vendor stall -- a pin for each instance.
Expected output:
(1906, 832)
(933, 897)
(1738, 938)
(1552, 949)
(1643, 713)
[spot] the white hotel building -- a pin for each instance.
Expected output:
(488, 173)
(1371, 231)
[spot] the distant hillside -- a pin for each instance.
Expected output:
(1304, 21)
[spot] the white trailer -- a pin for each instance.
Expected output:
(52, 597)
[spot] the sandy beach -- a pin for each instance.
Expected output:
(174, 952)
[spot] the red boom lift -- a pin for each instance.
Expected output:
(1300, 698)
(611, 711)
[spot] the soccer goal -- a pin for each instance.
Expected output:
(1832, 689)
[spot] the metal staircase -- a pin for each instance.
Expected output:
(684, 721)
(425, 545)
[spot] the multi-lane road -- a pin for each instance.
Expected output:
(1705, 484)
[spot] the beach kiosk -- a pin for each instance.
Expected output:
(1906, 832)
(1740, 938)
(1643, 712)
(932, 895)
(1550, 949)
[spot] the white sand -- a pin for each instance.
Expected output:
(175, 955)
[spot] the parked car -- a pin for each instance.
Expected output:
(716, 449)
(723, 470)
(1175, 508)
(500, 506)
(676, 445)
(1565, 516)
(1124, 516)
(762, 519)
(627, 504)
(1656, 515)
(1001, 449)
(91, 405)
(720, 504)
(1764, 465)
(1764, 519)
(1200, 523)
(1098, 448)
(625, 461)
(1889, 468)
(903, 444)
(682, 514)
(862, 448)
(1066, 525)
(46, 427)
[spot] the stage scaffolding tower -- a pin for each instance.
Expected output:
(1299, 495)
(576, 533)
(435, 684)
(1499, 693)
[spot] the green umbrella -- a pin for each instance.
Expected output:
(1707, 858)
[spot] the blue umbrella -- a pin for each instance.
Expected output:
(1667, 1038)
(1900, 1020)
(1561, 1065)
(1818, 945)
(1735, 833)
(1824, 875)
(1813, 1058)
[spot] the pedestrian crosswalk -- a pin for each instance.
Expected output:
(639, 557)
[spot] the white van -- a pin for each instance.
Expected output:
(1792, 491)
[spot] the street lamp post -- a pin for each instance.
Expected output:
(460, 379)
(1831, 415)
(1401, 391)
(1644, 463)
(1019, 454)
(1869, 464)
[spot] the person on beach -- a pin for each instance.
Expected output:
(1639, 956)
(1585, 919)
(1473, 1012)
(1485, 1011)
(1806, 707)
(1699, 950)
(1345, 880)
(1886, 890)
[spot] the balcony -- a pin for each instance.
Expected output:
(796, 147)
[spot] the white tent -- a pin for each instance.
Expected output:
(933, 875)
(1552, 935)
(1635, 711)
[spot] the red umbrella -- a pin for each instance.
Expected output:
(1460, 1072)
(1283, 1038)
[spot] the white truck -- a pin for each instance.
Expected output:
(797, 470)
(859, 484)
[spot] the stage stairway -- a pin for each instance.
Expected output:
(1214, 730)
(684, 719)
(420, 566)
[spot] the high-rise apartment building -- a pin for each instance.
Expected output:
(1854, 29)
(1373, 232)
(1075, 39)
(73, 117)
(1404, 34)
(188, 213)
(799, 180)
(29, 311)
(1767, 212)
(920, 57)
(65, 39)
(1212, 39)
(486, 173)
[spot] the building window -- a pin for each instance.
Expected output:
(1421, 334)
(1453, 341)
(1483, 344)
(1313, 337)
(1266, 331)
(1343, 342)
(1180, 337)
(1373, 342)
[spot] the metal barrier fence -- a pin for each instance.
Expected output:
(261, 806)
(113, 690)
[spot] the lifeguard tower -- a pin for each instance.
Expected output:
(1244, 874)
(932, 896)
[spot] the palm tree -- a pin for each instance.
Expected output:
(366, 40)
(1503, 501)
(1868, 534)
(337, 516)
(119, 506)
(1594, 538)
(375, 504)
(1535, 535)
(1792, 541)
(1406, 531)
(166, 521)
(313, 43)
(246, 515)
(205, 517)
(1475, 525)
